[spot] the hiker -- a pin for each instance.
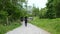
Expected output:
(21, 19)
(26, 21)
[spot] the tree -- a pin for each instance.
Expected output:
(42, 12)
(57, 7)
(9, 8)
(35, 11)
(50, 12)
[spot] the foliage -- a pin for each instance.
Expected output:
(11, 9)
(35, 11)
(50, 12)
(3, 14)
(42, 12)
(53, 9)
(51, 25)
(4, 29)
(57, 7)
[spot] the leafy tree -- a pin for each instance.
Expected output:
(35, 11)
(50, 12)
(42, 12)
(11, 9)
(57, 7)
(53, 8)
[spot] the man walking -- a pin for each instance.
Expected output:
(26, 21)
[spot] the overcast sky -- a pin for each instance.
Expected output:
(37, 3)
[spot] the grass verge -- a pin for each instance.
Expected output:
(51, 25)
(4, 29)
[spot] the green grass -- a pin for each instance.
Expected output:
(4, 29)
(50, 25)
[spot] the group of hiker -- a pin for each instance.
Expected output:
(24, 19)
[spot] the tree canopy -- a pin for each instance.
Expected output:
(11, 9)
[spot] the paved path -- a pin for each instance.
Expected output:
(30, 29)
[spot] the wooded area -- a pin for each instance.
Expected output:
(12, 10)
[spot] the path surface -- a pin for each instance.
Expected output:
(30, 29)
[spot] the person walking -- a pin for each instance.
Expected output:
(21, 19)
(26, 20)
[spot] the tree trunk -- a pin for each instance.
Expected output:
(7, 20)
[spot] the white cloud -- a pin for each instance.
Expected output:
(37, 3)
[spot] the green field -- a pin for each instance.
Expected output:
(50, 25)
(4, 29)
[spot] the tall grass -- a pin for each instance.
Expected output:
(4, 29)
(51, 25)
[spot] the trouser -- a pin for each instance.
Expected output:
(25, 23)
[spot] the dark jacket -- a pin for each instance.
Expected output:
(26, 19)
(21, 18)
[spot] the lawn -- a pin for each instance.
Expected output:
(4, 29)
(50, 25)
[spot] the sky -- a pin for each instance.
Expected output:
(38, 3)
